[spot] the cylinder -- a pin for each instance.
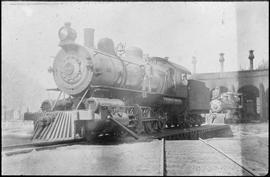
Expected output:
(93, 103)
(89, 37)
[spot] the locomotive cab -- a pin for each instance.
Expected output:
(175, 77)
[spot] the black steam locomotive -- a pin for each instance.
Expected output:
(115, 92)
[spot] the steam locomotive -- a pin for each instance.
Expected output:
(227, 104)
(115, 92)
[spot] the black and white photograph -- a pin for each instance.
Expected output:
(130, 88)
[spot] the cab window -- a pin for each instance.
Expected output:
(184, 78)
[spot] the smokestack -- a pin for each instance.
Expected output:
(251, 57)
(221, 60)
(89, 37)
(194, 62)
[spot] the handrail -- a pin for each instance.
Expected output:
(57, 100)
(81, 99)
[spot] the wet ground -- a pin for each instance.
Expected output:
(124, 159)
(194, 158)
(16, 132)
(249, 145)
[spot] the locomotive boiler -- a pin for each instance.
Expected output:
(116, 94)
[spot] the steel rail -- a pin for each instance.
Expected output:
(29, 147)
(28, 150)
(230, 158)
(163, 159)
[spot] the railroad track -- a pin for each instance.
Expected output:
(186, 157)
(29, 147)
(251, 172)
(166, 159)
(163, 158)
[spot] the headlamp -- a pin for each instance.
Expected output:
(63, 33)
(66, 33)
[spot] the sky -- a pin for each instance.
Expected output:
(252, 31)
(178, 30)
